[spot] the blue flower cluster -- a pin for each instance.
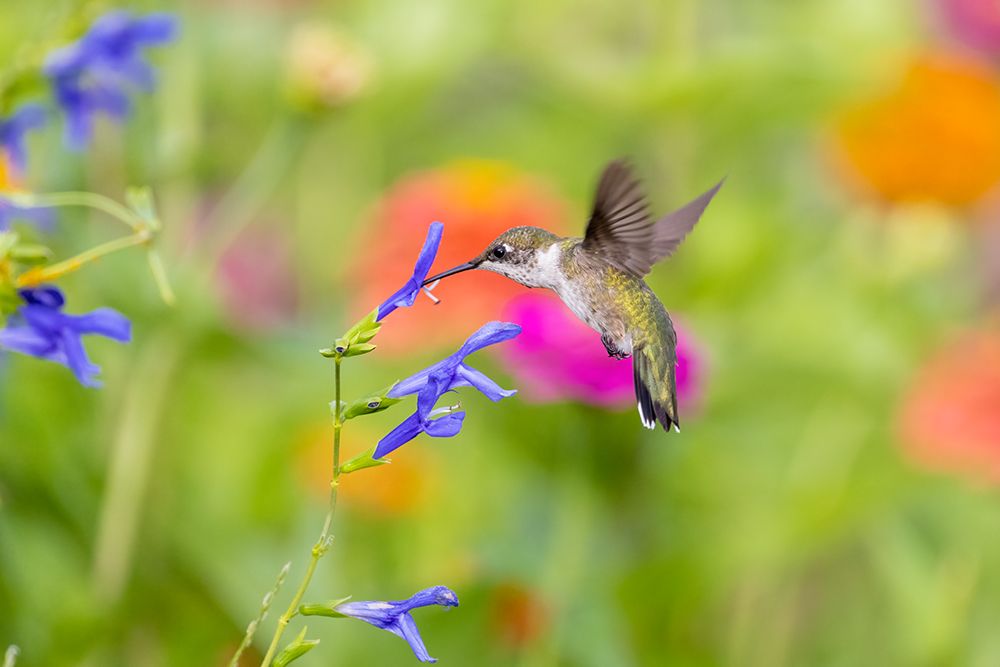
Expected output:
(91, 76)
(429, 385)
(395, 616)
(435, 381)
(95, 74)
(407, 294)
(13, 130)
(42, 330)
(10, 211)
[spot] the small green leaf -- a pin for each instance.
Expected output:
(357, 349)
(297, 648)
(328, 609)
(30, 253)
(363, 460)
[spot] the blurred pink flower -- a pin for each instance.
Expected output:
(557, 357)
(255, 279)
(976, 23)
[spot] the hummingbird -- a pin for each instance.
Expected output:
(600, 278)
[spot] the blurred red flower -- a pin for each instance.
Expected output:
(519, 616)
(975, 22)
(557, 357)
(950, 417)
(934, 136)
(476, 200)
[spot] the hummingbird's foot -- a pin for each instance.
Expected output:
(613, 350)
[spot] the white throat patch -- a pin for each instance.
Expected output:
(549, 270)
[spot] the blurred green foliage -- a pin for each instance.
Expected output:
(141, 524)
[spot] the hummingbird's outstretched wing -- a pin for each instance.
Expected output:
(620, 229)
(670, 230)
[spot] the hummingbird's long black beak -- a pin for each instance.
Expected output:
(450, 272)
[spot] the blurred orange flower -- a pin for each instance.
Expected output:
(519, 615)
(934, 136)
(476, 200)
(950, 418)
(400, 488)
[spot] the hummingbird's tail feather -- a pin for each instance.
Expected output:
(655, 390)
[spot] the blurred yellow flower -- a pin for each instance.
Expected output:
(325, 68)
(934, 136)
(7, 181)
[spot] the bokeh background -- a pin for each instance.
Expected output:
(832, 497)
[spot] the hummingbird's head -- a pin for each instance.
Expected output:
(519, 253)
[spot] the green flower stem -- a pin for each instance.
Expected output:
(265, 605)
(160, 276)
(323, 543)
(84, 200)
(44, 274)
(249, 193)
(143, 233)
(130, 463)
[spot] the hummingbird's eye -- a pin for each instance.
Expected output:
(498, 252)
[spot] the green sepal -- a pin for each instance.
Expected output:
(357, 349)
(355, 341)
(297, 648)
(328, 609)
(140, 200)
(363, 460)
(30, 253)
(370, 404)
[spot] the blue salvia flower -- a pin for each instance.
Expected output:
(9, 211)
(13, 129)
(434, 381)
(41, 329)
(407, 294)
(395, 616)
(94, 74)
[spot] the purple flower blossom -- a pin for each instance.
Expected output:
(9, 211)
(434, 381)
(13, 129)
(395, 616)
(93, 75)
(407, 294)
(41, 329)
